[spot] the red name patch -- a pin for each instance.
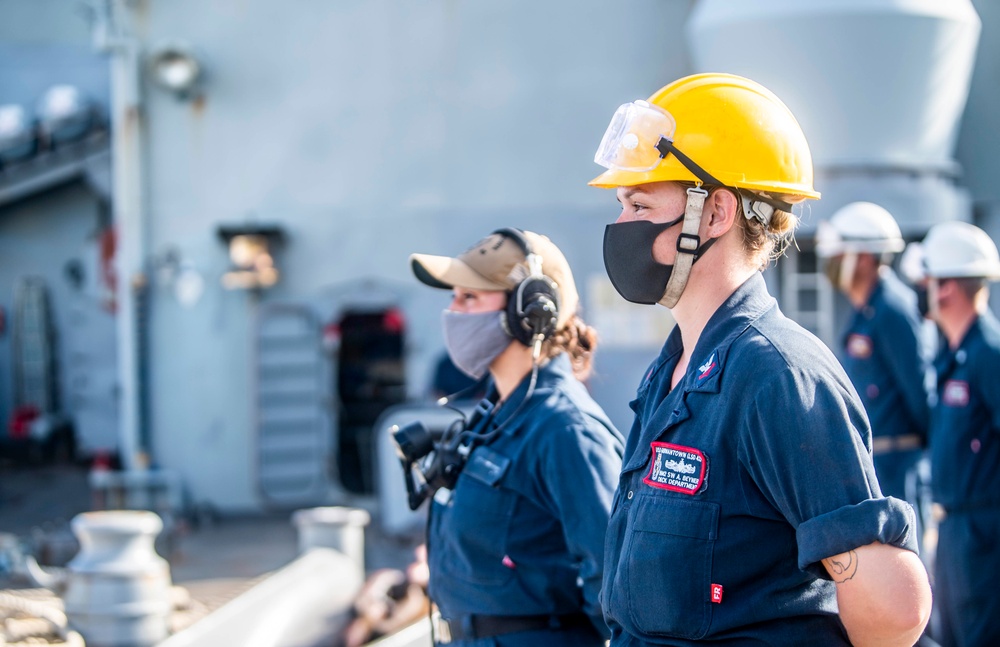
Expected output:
(676, 468)
(955, 393)
(717, 593)
(859, 346)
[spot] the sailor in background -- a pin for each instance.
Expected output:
(959, 260)
(886, 347)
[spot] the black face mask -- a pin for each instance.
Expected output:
(628, 259)
(923, 301)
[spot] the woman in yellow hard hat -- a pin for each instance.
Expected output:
(747, 510)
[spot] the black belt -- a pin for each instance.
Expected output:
(474, 627)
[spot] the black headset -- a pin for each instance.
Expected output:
(532, 305)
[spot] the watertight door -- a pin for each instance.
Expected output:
(293, 423)
(34, 358)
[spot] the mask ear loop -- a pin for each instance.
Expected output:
(688, 245)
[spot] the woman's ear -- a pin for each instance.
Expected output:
(723, 205)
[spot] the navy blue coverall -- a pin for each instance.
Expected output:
(737, 483)
(965, 468)
(522, 534)
(886, 354)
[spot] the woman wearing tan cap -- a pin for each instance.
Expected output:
(516, 547)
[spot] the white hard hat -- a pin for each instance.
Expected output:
(958, 250)
(860, 227)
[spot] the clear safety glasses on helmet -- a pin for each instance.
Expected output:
(631, 140)
(639, 136)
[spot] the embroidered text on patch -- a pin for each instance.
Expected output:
(676, 468)
(859, 346)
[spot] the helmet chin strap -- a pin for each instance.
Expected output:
(688, 243)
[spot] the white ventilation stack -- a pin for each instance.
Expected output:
(878, 86)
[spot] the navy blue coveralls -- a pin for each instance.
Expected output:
(965, 468)
(522, 534)
(886, 354)
(737, 483)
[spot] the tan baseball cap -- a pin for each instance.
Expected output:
(497, 262)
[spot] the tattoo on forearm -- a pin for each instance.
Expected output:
(842, 566)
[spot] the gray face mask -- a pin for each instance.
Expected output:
(474, 340)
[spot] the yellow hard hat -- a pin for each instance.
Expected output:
(717, 129)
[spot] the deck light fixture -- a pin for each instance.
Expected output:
(175, 68)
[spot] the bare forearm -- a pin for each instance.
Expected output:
(883, 594)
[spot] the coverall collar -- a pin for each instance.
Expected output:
(730, 320)
(743, 307)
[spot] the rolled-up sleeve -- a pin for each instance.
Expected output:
(888, 521)
(806, 448)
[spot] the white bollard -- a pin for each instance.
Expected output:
(118, 588)
(340, 528)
